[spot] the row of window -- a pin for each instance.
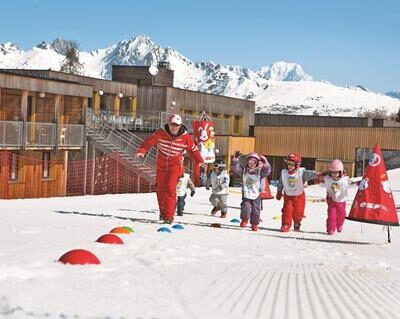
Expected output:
(15, 167)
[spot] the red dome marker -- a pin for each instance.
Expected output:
(79, 257)
(110, 239)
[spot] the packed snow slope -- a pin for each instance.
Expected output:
(198, 272)
(278, 88)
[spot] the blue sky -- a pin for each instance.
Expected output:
(347, 42)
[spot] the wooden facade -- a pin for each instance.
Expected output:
(309, 120)
(239, 112)
(30, 181)
(36, 111)
(108, 96)
(226, 145)
(140, 75)
(324, 143)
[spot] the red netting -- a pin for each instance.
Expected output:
(39, 177)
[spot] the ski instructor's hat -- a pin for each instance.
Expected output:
(175, 119)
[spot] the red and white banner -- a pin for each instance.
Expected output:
(203, 132)
(374, 201)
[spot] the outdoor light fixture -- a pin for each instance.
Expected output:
(42, 95)
(120, 95)
(173, 103)
(101, 92)
(153, 70)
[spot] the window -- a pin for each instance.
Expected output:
(391, 158)
(13, 167)
(46, 165)
(236, 124)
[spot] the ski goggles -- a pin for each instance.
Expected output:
(219, 165)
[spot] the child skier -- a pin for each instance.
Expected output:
(292, 182)
(336, 183)
(252, 175)
(219, 182)
(183, 183)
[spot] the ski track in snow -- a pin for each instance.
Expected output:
(296, 289)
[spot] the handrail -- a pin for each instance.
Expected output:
(125, 141)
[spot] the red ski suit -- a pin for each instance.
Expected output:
(169, 165)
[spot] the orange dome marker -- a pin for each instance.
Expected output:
(120, 230)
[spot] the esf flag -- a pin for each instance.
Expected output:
(374, 201)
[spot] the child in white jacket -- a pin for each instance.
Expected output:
(219, 182)
(183, 183)
(336, 183)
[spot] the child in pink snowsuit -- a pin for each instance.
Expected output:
(336, 184)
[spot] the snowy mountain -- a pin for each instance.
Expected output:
(279, 88)
(395, 94)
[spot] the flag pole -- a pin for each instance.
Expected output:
(389, 239)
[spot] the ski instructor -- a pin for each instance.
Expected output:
(171, 141)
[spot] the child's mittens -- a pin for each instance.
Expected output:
(263, 159)
(320, 177)
(278, 195)
(218, 188)
(236, 154)
(192, 193)
(208, 188)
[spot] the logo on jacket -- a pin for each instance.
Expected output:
(291, 182)
(335, 187)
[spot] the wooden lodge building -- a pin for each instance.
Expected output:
(49, 120)
(320, 139)
(45, 115)
(39, 119)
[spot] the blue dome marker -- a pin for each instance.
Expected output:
(178, 226)
(164, 230)
(235, 220)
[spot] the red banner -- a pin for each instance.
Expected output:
(203, 132)
(374, 201)
(266, 192)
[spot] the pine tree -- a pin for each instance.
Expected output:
(71, 62)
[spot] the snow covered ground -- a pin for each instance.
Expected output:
(198, 272)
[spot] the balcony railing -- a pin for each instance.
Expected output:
(40, 135)
(221, 126)
(151, 120)
(11, 134)
(71, 135)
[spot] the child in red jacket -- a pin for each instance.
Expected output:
(291, 186)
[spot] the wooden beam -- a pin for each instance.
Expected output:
(231, 124)
(96, 103)
(117, 103)
(134, 106)
(1, 109)
(24, 112)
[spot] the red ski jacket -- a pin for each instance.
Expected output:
(170, 148)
